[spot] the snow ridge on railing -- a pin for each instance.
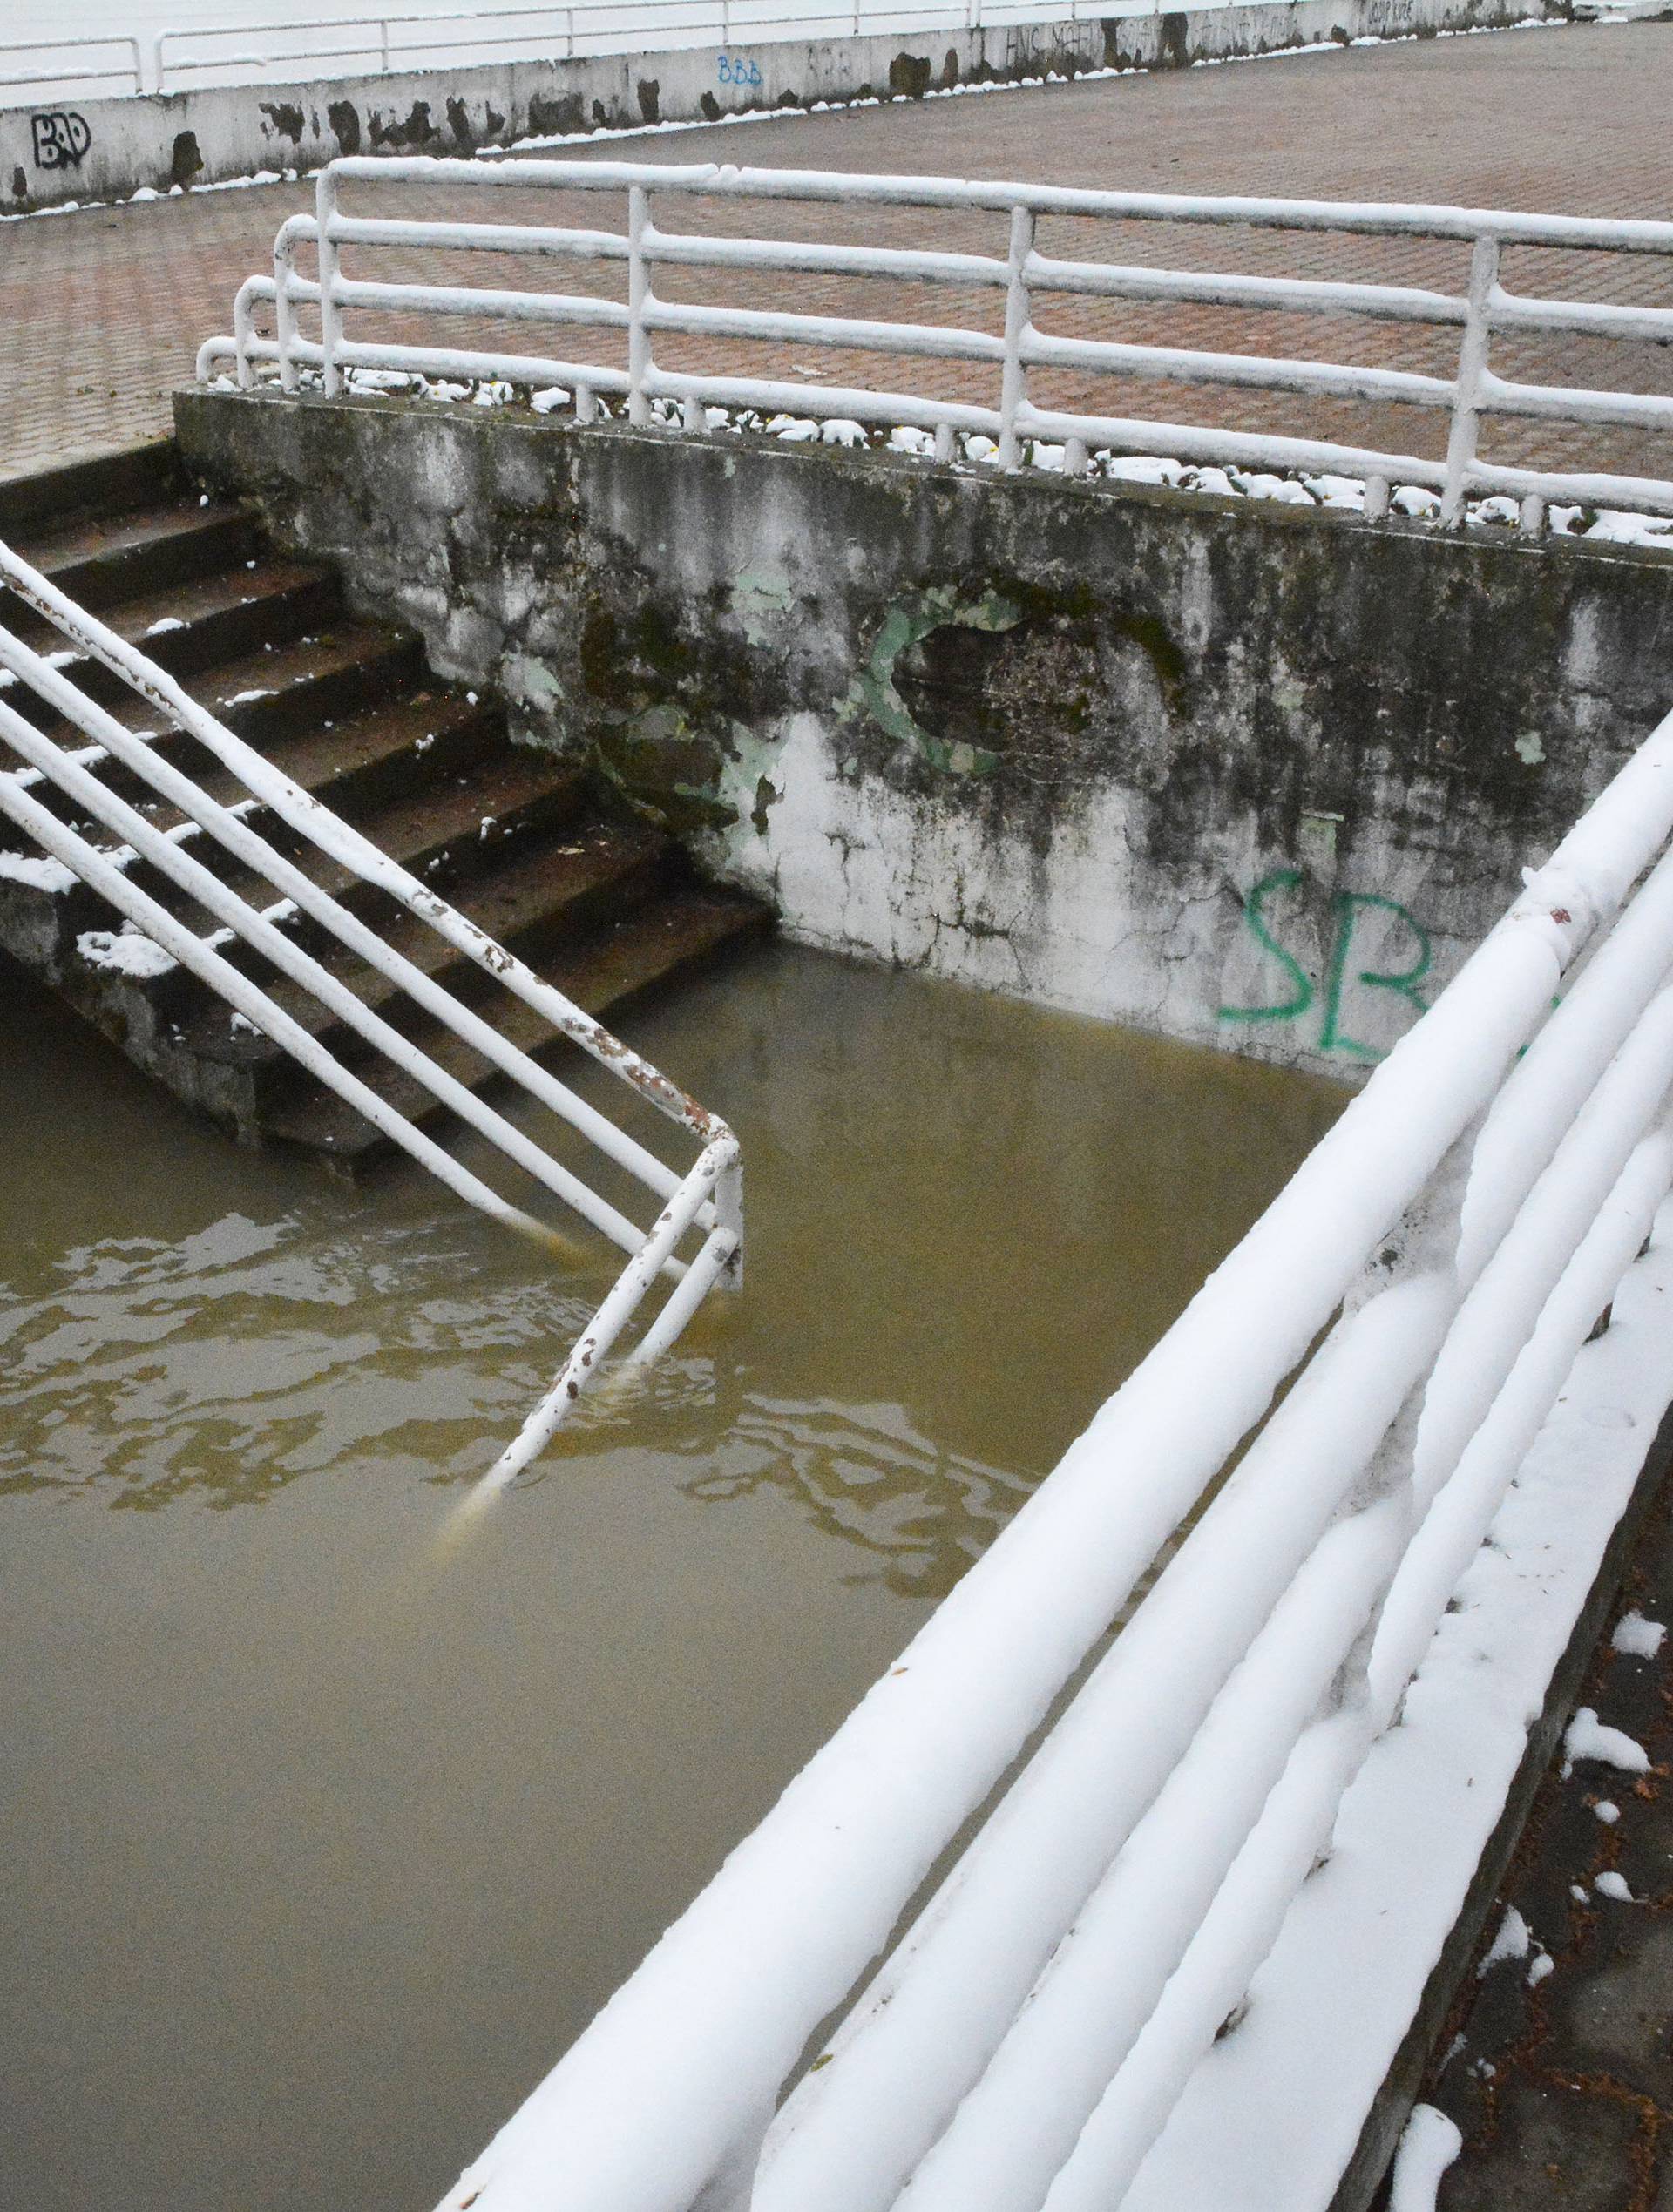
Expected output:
(705, 1201)
(1382, 1349)
(1025, 277)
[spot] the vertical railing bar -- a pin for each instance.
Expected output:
(1013, 385)
(1472, 368)
(284, 311)
(639, 338)
(325, 203)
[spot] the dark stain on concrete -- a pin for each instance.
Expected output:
(711, 108)
(909, 75)
(650, 98)
(187, 161)
(459, 121)
(404, 133)
(19, 183)
(555, 115)
(285, 119)
(344, 119)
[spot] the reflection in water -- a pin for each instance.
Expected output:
(303, 1798)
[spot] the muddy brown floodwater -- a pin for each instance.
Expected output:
(322, 1836)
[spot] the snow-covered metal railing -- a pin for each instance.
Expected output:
(704, 1203)
(90, 61)
(1025, 276)
(1381, 1349)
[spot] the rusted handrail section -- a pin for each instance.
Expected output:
(1383, 1348)
(1024, 275)
(707, 1200)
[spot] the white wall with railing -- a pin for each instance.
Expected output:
(159, 51)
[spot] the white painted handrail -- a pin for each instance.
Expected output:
(1401, 1321)
(706, 1201)
(1472, 394)
(77, 61)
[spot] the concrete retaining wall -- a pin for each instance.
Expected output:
(1234, 771)
(102, 149)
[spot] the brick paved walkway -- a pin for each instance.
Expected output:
(101, 311)
(1560, 2074)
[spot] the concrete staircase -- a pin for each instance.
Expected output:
(521, 841)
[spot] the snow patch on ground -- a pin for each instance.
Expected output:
(1589, 1738)
(1513, 1941)
(1637, 1637)
(124, 952)
(1428, 2146)
(37, 872)
(1614, 1886)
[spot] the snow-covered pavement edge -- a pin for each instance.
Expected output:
(1270, 2119)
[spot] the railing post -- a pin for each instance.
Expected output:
(639, 340)
(325, 205)
(726, 22)
(1471, 365)
(383, 42)
(156, 62)
(728, 1214)
(1014, 387)
(284, 313)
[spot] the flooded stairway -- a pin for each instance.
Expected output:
(522, 842)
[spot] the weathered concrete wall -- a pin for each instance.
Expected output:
(102, 148)
(1234, 771)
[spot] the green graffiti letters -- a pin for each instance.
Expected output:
(1340, 972)
(1281, 879)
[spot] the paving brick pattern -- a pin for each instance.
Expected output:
(1563, 2085)
(101, 311)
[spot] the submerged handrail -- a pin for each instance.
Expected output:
(707, 1198)
(1382, 1347)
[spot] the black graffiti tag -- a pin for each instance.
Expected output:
(61, 140)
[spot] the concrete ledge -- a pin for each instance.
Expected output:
(1236, 771)
(104, 149)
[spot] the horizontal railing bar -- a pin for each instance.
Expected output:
(580, 308)
(882, 408)
(1288, 294)
(918, 264)
(1178, 364)
(1545, 402)
(934, 341)
(1414, 219)
(1596, 318)
(466, 238)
